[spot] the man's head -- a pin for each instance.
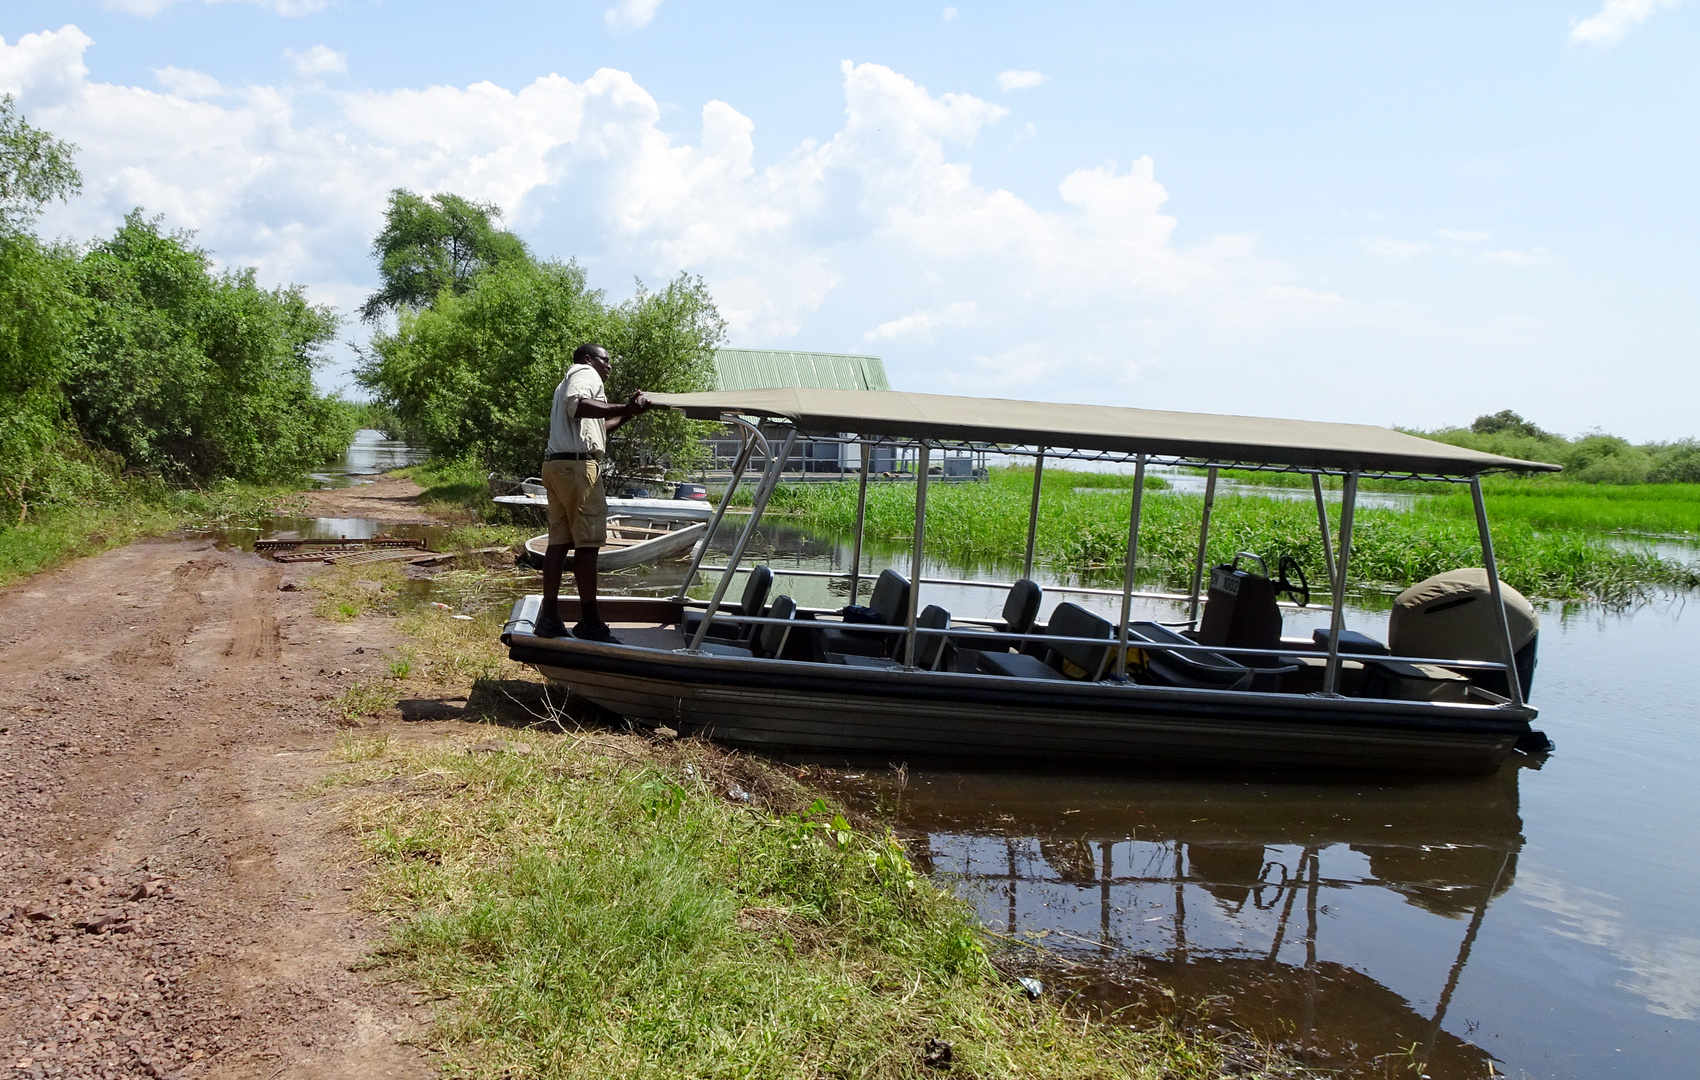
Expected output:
(594, 355)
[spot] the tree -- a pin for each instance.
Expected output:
(474, 375)
(35, 169)
(197, 376)
(436, 243)
(1506, 422)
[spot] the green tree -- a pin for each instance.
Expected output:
(435, 243)
(474, 375)
(195, 375)
(1506, 422)
(35, 169)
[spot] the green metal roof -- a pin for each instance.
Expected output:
(769, 369)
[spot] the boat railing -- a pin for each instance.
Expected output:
(1078, 590)
(1111, 642)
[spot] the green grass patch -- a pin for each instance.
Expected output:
(1661, 509)
(597, 910)
(1080, 531)
(459, 487)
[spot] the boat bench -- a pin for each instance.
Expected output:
(1069, 620)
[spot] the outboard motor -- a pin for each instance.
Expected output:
(1450, 617)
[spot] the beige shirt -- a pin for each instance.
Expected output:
(567, 433)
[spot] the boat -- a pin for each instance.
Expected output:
(530, 494)
(1223, 688)
(632, 540)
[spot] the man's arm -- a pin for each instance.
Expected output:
(614, 414)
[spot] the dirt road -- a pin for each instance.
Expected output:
(169, 905)
(391, 499)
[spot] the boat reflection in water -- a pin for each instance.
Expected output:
(1216, 899)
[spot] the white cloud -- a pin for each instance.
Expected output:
(949, 14)
(188, 84)
(1665, 973)
(1465, 236)
(150, 8)
(1398, 250)
(1293, 292)
(631, 14)
(923, 324)
(1019, 80)
(883, 217)
(319, 60)
(1612, 22)
(1509, 257)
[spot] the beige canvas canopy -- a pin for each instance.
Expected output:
(1194, 436)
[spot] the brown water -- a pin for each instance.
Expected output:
(1542, 921)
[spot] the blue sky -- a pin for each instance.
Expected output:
(1387, 213)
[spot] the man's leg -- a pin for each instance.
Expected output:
(549, 623)
(584, 573)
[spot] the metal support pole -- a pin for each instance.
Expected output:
(776, 465)
(1322, 523)
(1033, 514)
(915, 560)
(861, 517)
(751, 436)
(1514, 688)
(1203, 543)
(1348, 504)
(1132, 561)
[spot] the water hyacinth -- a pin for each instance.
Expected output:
(1083, 527)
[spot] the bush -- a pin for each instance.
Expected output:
(197, 376)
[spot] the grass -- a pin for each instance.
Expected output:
(1659, 509)
(602, 906)
(1086, 530)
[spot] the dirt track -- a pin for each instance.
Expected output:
(161, 707)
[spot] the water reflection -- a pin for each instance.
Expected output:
(1221, 897)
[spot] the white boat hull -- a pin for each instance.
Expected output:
(628, 546)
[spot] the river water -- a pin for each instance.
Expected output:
(1538, 923)
(1541, 922)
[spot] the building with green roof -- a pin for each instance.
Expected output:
(763, 369)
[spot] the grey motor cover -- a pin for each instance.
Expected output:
(1450, 616)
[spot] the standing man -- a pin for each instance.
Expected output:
(579, 425)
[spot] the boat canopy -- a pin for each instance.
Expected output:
(1191, 437)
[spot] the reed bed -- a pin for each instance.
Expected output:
(1082, 529)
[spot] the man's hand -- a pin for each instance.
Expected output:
(640, 402)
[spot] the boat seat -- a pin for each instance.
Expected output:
(1071, 620)
(1020, 608)
(1172, 668)
(1351, 641)
(929, 647)
(770, 638)
(1017, 666)
(890, 602)
(727, 631)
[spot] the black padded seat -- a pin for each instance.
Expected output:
(1070, 620)
(770, 638)
(1211, 670)
(929, 646)
(727, 631)
(1020, 609)
(890, 601)
(1017, 666)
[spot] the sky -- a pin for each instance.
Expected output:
(1383, 213)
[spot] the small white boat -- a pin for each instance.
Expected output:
(653, 509)
(631, 541)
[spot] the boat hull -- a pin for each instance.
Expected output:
(674, 544)
(790, 707)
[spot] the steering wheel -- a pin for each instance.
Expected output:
(1300, 592)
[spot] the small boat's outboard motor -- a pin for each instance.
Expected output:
(1450, 617)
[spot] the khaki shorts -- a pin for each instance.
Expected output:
(578, 507)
